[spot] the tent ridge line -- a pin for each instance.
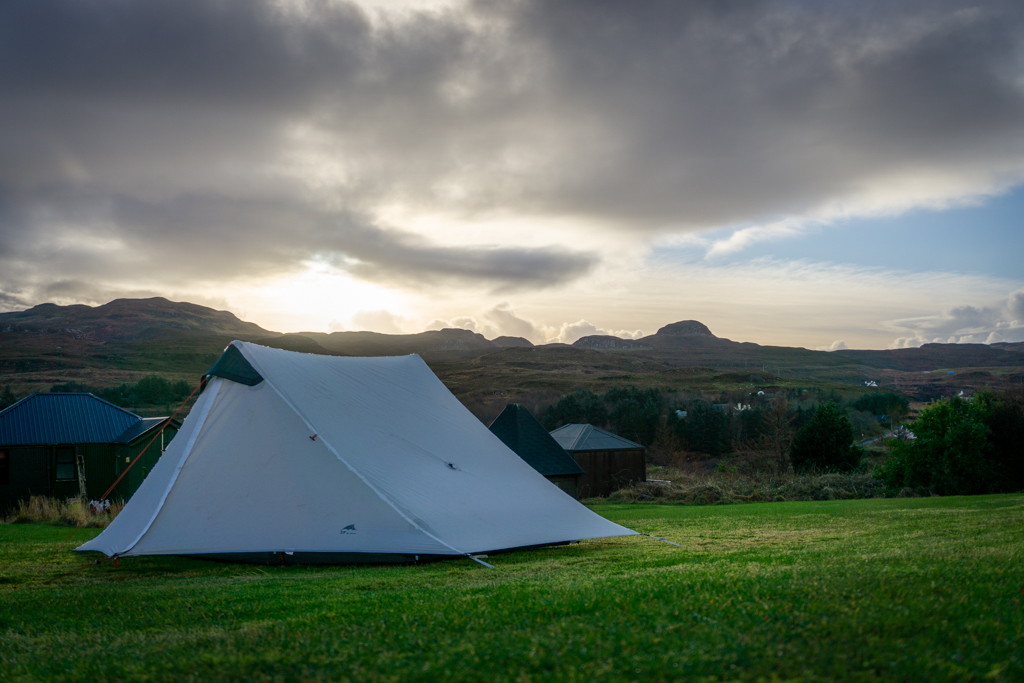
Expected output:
(352, 469)
(204, 412)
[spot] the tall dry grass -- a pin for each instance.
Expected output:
(41, 509)
(700, 485)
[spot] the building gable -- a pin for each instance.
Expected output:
(521, 432)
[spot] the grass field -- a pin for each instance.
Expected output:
(897, 589)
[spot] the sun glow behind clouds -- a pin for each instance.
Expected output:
(318, 299)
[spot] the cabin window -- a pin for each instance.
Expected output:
(5, 468)
(65, 464)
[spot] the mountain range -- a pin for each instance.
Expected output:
(127, 338)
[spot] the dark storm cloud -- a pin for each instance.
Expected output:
(238, 137)
(201, 238)
(729, 111)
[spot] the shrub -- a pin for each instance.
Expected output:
(579, 406)
(1007, 438)
(962, 447)
(688, 488)
(40, 509)
(752, 426)
(825, 443)
(635, 413)
(150, 390)
(7, 398)
(705, 429)
(883, 404)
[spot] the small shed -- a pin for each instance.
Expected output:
(67, 445)
(608, 460)
(526, 437)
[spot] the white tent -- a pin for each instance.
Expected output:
(296, 457)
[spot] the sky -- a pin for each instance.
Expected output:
(824, 175)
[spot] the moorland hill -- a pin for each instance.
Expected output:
(128, 338)
(129, 320)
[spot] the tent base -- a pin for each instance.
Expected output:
(280, 558)
(318, 558)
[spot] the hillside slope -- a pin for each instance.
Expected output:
(129, 320)
(129, 338)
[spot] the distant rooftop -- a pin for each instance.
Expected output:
(584, 437)
(70, 418)
(519, 430)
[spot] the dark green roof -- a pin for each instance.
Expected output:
(147, 426)
(232, 365)
(64, 418)
(520, 431)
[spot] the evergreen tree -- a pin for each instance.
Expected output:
(635, 413)
(705, 429)
(825, 442)
(7, 397)
(581, 406)
(962, 447)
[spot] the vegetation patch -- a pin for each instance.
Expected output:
(41, 509)
(922, 589)
(727, 486)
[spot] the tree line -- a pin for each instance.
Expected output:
(961, 446)
(148, 391)
(956, 446)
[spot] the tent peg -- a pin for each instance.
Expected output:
(476, 558)
(663, 540)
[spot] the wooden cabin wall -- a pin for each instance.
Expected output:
(608, 471)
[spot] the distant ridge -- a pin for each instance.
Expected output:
(680, 335)
(685, 328)
(130, 320)
(449, 341)
(49, 338)
(297, 342)
(511, 342)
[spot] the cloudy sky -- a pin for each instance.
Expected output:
(787, 172)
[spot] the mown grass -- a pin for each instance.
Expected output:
(897, 589)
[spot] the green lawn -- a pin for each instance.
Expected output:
(898, 589)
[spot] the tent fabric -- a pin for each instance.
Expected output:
(520, 431)
(340, 456)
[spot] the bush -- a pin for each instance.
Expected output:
(1006, 426)
(7, 398)
(688, 488)
(150, 390)
(705, 429)
(40, 509)
(635, 413)
(752, 426)
(883, 404)
(825, 443)
(579, 406)
(962, 447)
